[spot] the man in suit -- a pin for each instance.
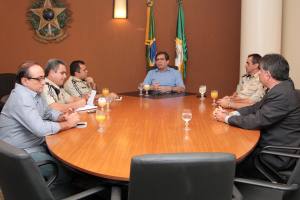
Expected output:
(277, 115)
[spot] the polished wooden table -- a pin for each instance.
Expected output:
(137, 126)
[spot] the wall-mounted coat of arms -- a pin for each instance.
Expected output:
(49, 19)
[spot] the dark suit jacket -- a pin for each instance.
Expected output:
(277, 116)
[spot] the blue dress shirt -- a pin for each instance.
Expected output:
(169, 77)
(26, 119)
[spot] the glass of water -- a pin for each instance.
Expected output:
(140, 87)
(202, 90)
(186, 116)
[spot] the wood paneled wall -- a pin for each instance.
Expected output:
(114, 49)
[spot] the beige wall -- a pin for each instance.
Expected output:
(291, 38)
(114, 50)
(261, 25)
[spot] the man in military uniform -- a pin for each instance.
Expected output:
(79, 84)
(250, 90)
(56, 97)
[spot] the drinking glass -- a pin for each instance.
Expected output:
(146, 88)
(100, 117)
(186, 116)
(214, 96)
(101, 102)
(140, 87)
(105, 92)
(202, 90)
(155, 84)
(108, 99)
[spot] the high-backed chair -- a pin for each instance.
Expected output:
(7, 83)
(267, 170)
(186, 176)
(262, 190)
(20, 178)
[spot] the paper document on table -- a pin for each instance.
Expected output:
(86, 107)
(90, 101)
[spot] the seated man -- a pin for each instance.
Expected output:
(26, 119)
(164, 79)
(250, 90)
(56, 97)
(277, 115)
(79, 84)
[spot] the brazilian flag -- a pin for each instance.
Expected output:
(150, 36)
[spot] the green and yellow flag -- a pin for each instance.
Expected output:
(150, 36)
(181, 46)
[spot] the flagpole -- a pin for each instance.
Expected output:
(180, 42)
(148, 3)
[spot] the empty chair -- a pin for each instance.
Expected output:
(7, 83)
(187, 176)
(20, 177)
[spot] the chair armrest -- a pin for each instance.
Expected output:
(281, 147)
(277, 186)
(291, 155)
(55, 174)
(85, 193)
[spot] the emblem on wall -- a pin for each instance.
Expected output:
(49, 19)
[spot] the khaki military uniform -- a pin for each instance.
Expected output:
(52, 93)
(77, 87)
(250, 87)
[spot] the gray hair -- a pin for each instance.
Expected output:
(53, 64)
(277, 65)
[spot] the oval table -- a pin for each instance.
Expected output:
(137, 126)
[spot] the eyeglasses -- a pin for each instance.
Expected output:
(157, 59)
(40, 79)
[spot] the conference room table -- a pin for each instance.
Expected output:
(137, 126)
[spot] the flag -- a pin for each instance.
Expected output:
(181, 46)
(150, 36)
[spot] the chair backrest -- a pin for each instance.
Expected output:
(182, 176)
(19, 176)
(7, 83)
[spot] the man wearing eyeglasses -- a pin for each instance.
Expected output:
(26, 118)
(277, 116)
(56, 97)
(164, 79)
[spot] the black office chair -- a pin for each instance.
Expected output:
(21, 179)
(7, 83)
(262, 190)
(267, 170)
(189, 176)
